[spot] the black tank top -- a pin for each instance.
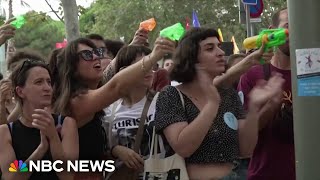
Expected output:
(91, 140)
(25, 141)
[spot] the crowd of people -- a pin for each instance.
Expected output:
(85, 102)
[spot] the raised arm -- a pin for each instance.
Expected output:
(95, 100)
(5, 92)
(6, 31)
(139, 38)
(234, 73)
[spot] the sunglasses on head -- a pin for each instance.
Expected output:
(87, 55)
(27, 64)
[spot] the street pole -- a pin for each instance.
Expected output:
(2, 50)
(248, 20)
(304, 30)
(253, 32)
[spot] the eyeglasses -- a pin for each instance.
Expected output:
(27, 64)
(87, 55)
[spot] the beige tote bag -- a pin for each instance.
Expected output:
(157, 168)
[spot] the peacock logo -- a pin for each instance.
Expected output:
(18, 166)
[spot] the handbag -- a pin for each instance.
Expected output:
(168, 168)
(122, 172)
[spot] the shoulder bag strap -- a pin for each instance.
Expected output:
(181, 98)
(114, 107)
(144, 115)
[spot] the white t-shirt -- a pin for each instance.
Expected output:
(126, 123)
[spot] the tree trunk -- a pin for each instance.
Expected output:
(10, 44)
(70, 10)
(10, 9)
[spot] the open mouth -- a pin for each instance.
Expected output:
(97, 66)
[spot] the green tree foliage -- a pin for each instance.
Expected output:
(120, 18)
(116, 18)
(40, 33)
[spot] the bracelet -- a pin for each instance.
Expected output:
(143, 68)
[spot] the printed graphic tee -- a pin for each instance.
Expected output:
(126, 123)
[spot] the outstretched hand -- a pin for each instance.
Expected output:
(140, 37)
(266, 91)
(161, 47)
(7, 31)
(5, 90)
(260, 55)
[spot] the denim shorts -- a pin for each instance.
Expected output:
(240, 170)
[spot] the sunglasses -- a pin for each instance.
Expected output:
(27, 64)
(87, 55)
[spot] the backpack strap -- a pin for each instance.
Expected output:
(266, 71)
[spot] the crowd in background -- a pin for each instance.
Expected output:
(228, 119)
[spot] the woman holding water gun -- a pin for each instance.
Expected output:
(84, 97)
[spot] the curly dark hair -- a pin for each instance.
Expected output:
(186, 54)
(21, 55)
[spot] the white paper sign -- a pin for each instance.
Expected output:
(308, 61)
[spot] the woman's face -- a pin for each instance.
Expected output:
(37, 89)
(89, 69)
(168, 65)
(211, 56)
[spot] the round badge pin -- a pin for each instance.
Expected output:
(230, 120)
(241, 95)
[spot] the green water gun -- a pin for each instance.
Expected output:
(174, 32)
(271, 37)
(19, 22)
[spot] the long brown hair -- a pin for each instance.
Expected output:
(70, 84)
